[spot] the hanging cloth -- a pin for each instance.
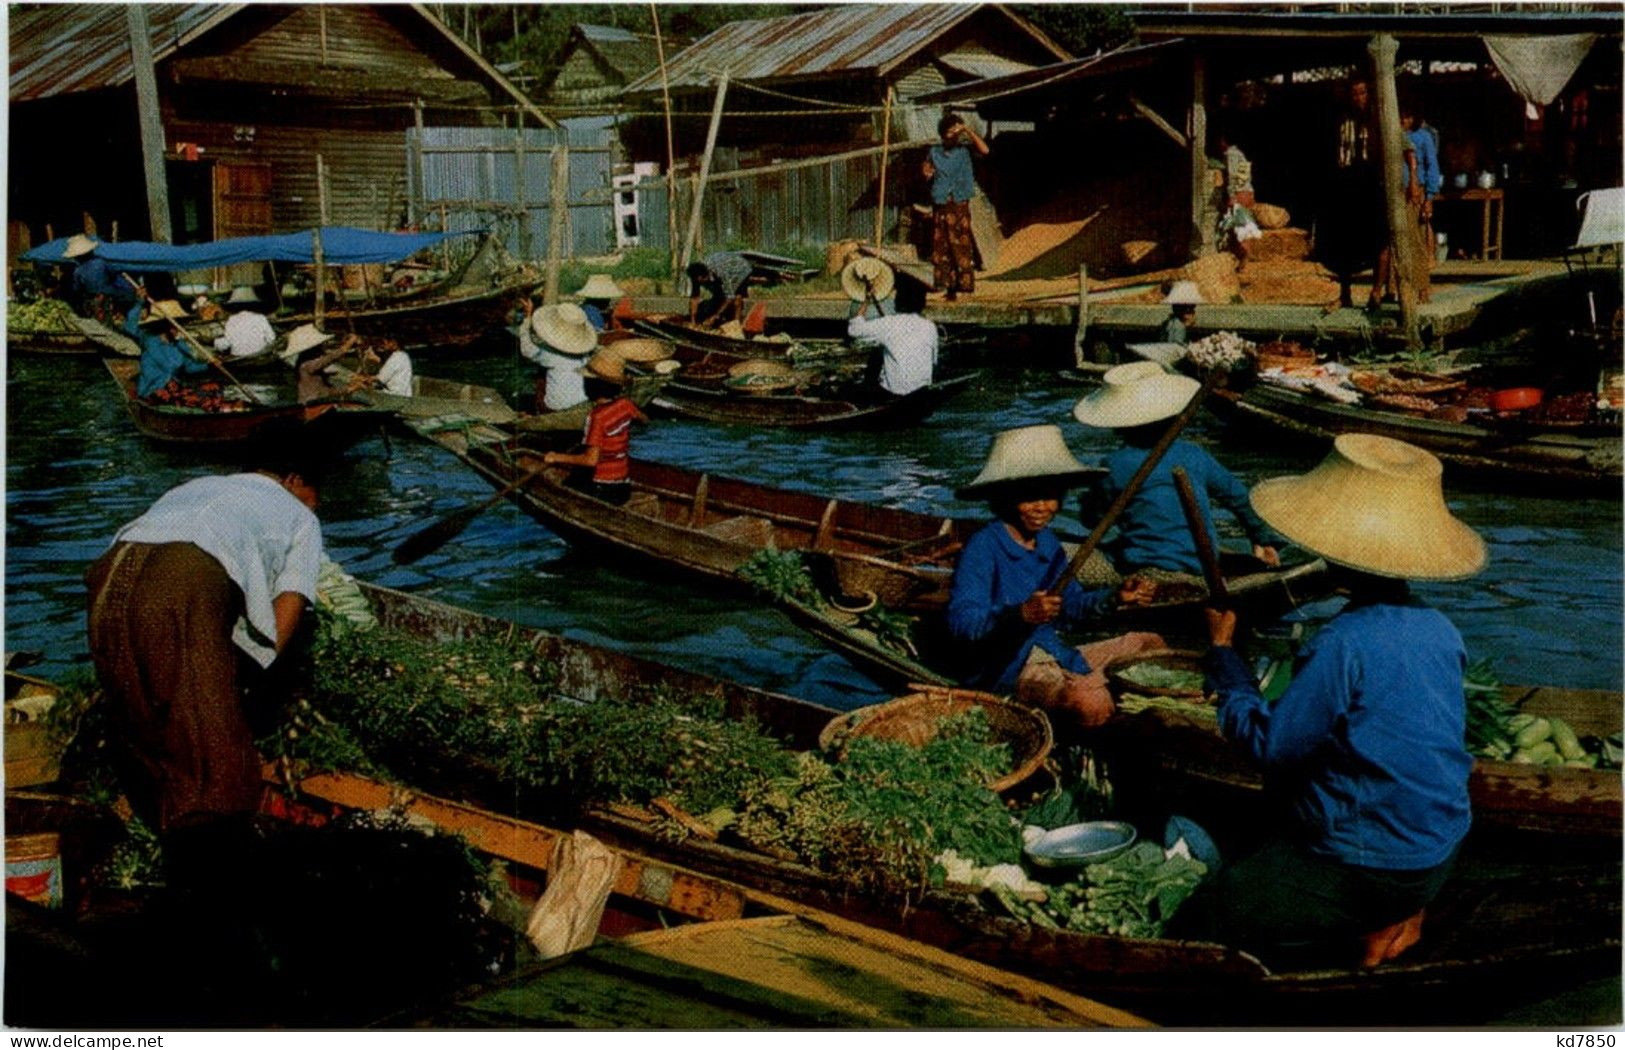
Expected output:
(1538, 67)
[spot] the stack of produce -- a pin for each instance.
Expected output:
(46, 315)
(1132, 895)
(1222, 350)
(1495, 730)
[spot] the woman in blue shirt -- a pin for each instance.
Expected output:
(999, 606)
(1136, 400)
(1366, 748)
(162, 359)
(953, 184)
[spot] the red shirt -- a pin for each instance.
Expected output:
(609, 430)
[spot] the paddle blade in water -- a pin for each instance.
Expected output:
(437, 535)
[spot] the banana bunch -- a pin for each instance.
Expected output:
(46, 315)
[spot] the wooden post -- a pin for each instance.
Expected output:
(885, 150)
(558, 217)
(151, 120)
(521, 208)
(671, 152)
(696, 208)
(316, 244)
(415, 175)
(321, 29)
(1080, 354)
(445, 245)
(1201, 184)
(1401, 228)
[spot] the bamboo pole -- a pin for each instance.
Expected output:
(559, 215)
(523, 210)
(671, 152)
(1401, 228)
(416, 173)
(885, 155)
(1201, 186)
(316, 244)
(1080, 337)
(696, 208)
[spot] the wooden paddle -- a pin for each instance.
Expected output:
(197, 347)
(437, 534)
(1121, 503)
(1218, 595)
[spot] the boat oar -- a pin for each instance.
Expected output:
(1152, 458)
(197, 347)
(437, 534)
(1218, 595)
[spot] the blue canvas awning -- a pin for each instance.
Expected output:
(341, 246)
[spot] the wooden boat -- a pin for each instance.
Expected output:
(640, 391)
(88, 337)
(1501, 931)
(697, 524)
(683, 333)
(1181, 758)
(434, 397)
(263, 425)
(842, 408)
(1561, 460)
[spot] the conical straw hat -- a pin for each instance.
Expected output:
(1036, 453)
(164, 309)
(1376, 505)
(242, 294)
(1184, 293)
(301, 339)
(564, 327)
(1134, 394)
(600, 286)
(79, 245)
(880, 279)
(607, 366)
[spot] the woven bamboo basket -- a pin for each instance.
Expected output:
(1177, 659)
(639, 350)
(913, 719)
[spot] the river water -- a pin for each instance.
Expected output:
(1547, 609)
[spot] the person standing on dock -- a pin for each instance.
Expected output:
(1365, 748)
(1136, 400)
(559, 338)
(908, 341)
(1351, 229)
(218, 568)
(1000, 607)
(953, 184)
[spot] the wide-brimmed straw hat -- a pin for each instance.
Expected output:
(865, 276)
(242, 294)
(606, 366)
(600, 286)
(1135, 394)
(303, 338)
(162, 310)
(564, 327)
(79, 245)
(1376, 505)
(1184, 293)
(1027, 454)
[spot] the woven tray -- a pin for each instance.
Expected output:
(1179, 659)
(913, 719)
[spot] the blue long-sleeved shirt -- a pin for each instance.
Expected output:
(1367, 743)
(1152, 531)
(95, 277)
(1427, 163)
(161, 360)
(995, 575)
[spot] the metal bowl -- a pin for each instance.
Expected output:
(1076, 845)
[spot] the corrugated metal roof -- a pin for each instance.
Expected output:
(842, 39)
(1405, 25)
(65, 48)
(1055, 77)
(606, 34)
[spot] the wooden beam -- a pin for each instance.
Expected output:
(1156, 119)
(304, 80)
(1201, 187)
(1401, 228)
(885, 154)
(151, 121)
(696, 207)
(671, 154)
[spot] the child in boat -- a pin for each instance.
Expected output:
(603, 463)
(999, 605)
(1366, 744)
(1152, 536)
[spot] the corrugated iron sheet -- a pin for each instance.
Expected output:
(66, 48)
(839, 39)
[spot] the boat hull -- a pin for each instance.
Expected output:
(718, 403)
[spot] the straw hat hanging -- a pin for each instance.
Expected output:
(1376, 505)
(865, 276)
(1028, 454)
(564, 327)
(1134, 394)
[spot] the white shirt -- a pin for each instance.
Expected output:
(247, 333)
(266, 540)
(909, 343)
(566, 387)
(395, 374)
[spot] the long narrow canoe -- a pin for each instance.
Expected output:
(1560, 460)
(1499, 933)
(436, 397)
(844, 409)
(705, 339)
(260, 426)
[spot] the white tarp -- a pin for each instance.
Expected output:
(1603, 219)
(1538, 67)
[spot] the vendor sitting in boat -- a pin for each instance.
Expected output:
(599, 298)
(908, 342)
(604, 468)
(1000, 605)
(724, 277)
(247, 332)
(559, 338)
(311, 363)
(1153, 539)
(1365, 748)
(393, 365)
(163, 361)
(1182, 298)
(97, 291)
